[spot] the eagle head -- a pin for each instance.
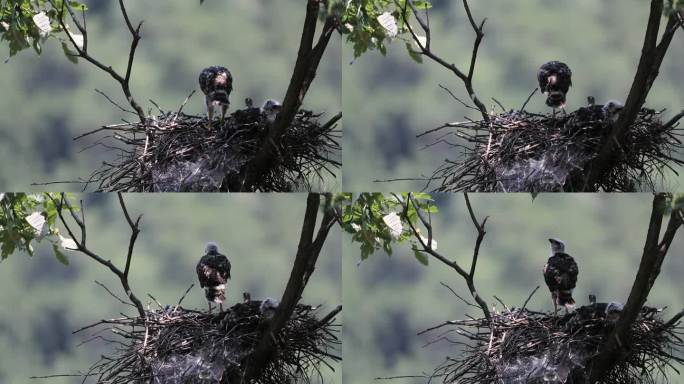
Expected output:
(271, 108)
(211, 247)
(557, 246)
(612, 109)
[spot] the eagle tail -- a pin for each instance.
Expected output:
(555, 99)
(564, 298)
(216, 294)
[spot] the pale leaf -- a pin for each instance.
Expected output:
(42, 21)
(389, 23)
(393, 222)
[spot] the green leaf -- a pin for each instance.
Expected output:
(59, 255)
(413, 54)
(420, 256)
(70, 55)
(678, 201)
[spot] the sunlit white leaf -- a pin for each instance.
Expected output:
(78, 39)
(422, 40)
(37, 221)
(389, 23)
(355, 227)
(393, 222)
(425, 240)
(42, 21)
(67, 243)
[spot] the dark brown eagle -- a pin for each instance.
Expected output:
(555, 80)
(216, 83)
(213, 271)
(560, 275)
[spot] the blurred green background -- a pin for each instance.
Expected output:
(43, 301)
(47, 100)
(390, 299)
(393, 98)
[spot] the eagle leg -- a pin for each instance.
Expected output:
(210, 111)
(224, 109)
(555, 306)
(221, 307)
(209, 307)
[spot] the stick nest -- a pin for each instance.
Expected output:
(176, 152)
(179, 346)
(532, 347)
(520, 151)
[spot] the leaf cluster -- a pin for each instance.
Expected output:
(27, 219)
(372, 24)
(673, 6)
(377, 221)
(29, 23)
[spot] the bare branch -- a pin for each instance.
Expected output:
(674, 120)
(305, 260)
(426, 50)
(123, 80)
(655, 250)
(480, 234)
(427, 248)
(652, 55)
(530, 297)
(82, 247)
(135, 230)
(308, 59)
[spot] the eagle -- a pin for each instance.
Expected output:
(216, 83)
(560, 275)
(555, 80)
(213, 271)
(268, 307)
(595, 117)
(270, 109)
(611, 110)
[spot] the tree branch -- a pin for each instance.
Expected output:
(652, 55)
(425, 49)
(82, 247)
(123, 80)
(655, 250)
(308, 59)
(469, 277)
(305, 261)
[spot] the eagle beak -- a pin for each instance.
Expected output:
(551, 241)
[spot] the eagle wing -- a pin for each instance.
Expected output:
(216, 82)
(555, 68)
(542, 76)
(213, 270)
(560, 272)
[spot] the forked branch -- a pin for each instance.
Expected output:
(655, 250)
(425, 48)
(308, 58)
(82, 48)
(652, 54)
(428, 248)
(64, 206)
(310, 245)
